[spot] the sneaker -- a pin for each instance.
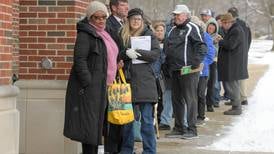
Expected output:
(233, 112)
(245, 102)
(224, 98)
(210, 108)
(206, 119)
(228, 103)
(189, 136)
(174, 134)
(164, 127)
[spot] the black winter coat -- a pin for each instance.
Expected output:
(142, 79)
(247, 41)
(231, 57)
(86, 90)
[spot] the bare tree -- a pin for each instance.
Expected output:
(266, 9)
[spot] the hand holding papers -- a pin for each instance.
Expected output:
(142, 43)
(132, 54)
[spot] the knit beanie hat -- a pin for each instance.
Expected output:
(135, 11)
(95, 6)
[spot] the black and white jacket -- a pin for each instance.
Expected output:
(184, 46)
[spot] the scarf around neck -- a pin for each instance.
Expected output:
(112, 53)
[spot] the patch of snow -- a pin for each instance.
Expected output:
(258, 50)
(254, 129)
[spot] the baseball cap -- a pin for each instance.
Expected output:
(206, 12)
(181, 9)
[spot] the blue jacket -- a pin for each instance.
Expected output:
(156, 66)
(209, 57)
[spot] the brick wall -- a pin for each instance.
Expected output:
(47, 29)
(8, 28)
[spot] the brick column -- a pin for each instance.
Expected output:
(47, 30)
(9, 115)
(5, 41)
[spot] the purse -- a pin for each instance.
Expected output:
(120, 110)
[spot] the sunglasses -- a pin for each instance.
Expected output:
(99, 17)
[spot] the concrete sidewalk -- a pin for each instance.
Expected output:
(214, 129)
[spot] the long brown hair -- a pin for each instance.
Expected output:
(127, 32)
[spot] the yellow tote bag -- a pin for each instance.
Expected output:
(120, 109)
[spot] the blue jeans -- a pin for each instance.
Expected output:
(166, 115)
(217, 91)
(147, 132)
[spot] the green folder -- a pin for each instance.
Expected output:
(185, 70)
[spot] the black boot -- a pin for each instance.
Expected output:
(235, 110)
(245, 102)
(228, 103)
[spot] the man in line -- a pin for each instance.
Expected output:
(230, 60)
(184, 47)
(119, 11)
(247, 41)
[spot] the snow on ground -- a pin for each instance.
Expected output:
(254, 129)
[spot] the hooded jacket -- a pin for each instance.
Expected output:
(214, 35)
(209, 57)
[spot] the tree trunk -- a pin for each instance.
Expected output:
(271, 12)
(272, 28)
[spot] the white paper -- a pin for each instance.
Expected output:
(140, 42)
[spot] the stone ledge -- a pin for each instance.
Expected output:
(8, 91)
(42, 84)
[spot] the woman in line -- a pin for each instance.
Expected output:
(94, 67)
(142, 80)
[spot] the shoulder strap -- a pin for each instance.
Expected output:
(122, 76)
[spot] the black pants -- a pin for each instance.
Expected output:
(89, 149)
(184, 91)
(211, 84)
(202, 97)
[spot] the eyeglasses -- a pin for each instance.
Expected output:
(136, 19)
(99, 17)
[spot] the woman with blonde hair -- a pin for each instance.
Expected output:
(142, 79)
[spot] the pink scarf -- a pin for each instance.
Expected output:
(112, 53)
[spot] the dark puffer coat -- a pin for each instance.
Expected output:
(86, 90)
(231, 56)
(142, 79)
